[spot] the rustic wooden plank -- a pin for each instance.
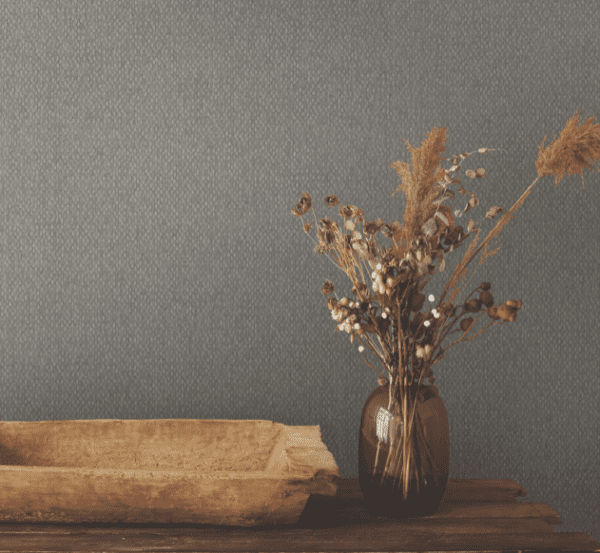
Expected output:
(547, 512)
(347, 505)
(457, 489)
(413, 535)
(338, 513)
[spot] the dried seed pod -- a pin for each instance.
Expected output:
(485, 286)
(343, 302)
(331, 303)
(506, 313)
(480, 173)
(487, 298)
(382, 381)
(450, 309)
(493, 211)
(471, 225)
(493, 312)
(470, 173)
(466, 324)
(430, 227)
(331, 201)
(417, 301)
(473, 202)
(515, 304)
(472, 306)
(328, 288)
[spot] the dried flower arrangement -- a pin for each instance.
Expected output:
(390, 319)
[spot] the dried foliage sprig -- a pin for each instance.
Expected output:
(387, 315)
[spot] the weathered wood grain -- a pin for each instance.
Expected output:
(330, 524)
(225, 472)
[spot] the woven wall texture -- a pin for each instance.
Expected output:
(151, 153)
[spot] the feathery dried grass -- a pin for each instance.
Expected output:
(576, 148)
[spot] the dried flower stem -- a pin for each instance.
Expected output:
(494, 232)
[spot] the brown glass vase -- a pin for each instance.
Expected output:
(388, 488)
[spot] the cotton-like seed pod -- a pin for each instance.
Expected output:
(349, 225)
(427, 350)
(486, 298)
(390, 282)
(419, 352)
(388, 292)
(344, 301)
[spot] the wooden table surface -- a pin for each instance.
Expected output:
(475, 515)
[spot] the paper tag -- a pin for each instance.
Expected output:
(383, 424)
(387, 425)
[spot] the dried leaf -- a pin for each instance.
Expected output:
(482, 150)
(473, 201)
(462, 190)
(331, 201)
(327, 288)
(307, 227)
(493, 211)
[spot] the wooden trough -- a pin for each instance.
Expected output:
(224, 472)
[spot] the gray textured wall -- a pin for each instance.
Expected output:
(151, 152)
